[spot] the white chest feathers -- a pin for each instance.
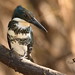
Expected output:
(16, 40)
(19, 49)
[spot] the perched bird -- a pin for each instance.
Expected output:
(20, 33)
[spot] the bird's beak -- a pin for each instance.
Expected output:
(39, 25)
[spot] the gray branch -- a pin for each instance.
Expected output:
(24, 66)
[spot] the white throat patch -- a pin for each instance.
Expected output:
(22, 22)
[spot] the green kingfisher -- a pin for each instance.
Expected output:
(20, 33)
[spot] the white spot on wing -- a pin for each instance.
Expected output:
(24, 35)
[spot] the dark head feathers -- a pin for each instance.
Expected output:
(22, 13)
(26, 15)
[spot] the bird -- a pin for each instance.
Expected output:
(20, 33)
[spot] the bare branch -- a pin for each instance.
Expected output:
(24, 66)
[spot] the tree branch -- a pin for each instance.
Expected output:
(24, 66)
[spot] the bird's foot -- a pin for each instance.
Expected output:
(29, 58)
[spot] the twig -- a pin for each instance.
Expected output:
(24, 66)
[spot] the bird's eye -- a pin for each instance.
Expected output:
(26, 16)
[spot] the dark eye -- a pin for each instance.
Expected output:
(26, 16)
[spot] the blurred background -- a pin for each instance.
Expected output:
(54, 49)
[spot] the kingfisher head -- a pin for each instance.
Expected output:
(26, 15)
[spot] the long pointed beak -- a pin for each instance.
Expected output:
(39, 25)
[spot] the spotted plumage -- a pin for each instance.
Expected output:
(21, 39)
(20, 33)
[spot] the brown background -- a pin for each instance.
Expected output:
(54, 49)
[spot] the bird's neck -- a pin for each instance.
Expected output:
(21, 22)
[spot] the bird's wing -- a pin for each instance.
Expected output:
(10, 27)
(30, 45)
(32, 40)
